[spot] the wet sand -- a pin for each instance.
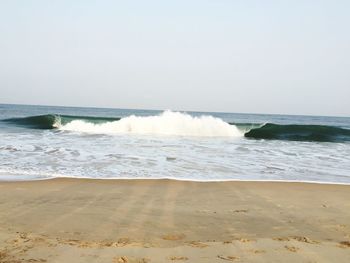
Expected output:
(77, 220)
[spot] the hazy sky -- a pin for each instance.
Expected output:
(258, 56)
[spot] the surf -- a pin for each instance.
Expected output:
(166, 123)
(183, 124)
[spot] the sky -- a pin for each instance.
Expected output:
(283, 57)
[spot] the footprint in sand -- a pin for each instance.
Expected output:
(304, 239)
(173, 237)
(257, 251)
(344, 244)
(123, 241)
(281, 238)
(292, 248)
(3, 255)
(178, 258)
(240, 211)
(197, 244)
(229, 258)
(125, 259)
(90, 244)
(297, 238)
(246, 240)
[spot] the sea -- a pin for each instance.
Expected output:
(45, 142)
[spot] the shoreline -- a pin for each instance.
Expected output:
(176, 179)
(162, 220)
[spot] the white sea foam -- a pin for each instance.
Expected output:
(167, 123)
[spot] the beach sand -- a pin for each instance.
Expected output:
(78, 220)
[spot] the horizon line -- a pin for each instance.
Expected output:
(160, 110)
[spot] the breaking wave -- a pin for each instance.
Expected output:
(167, 123)
(182, 124)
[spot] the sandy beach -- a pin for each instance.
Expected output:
(77, 220)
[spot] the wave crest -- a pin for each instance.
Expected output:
(167, 123)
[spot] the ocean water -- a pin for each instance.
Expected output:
(41, 142)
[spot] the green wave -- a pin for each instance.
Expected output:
(294, 132)
(51, 121)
